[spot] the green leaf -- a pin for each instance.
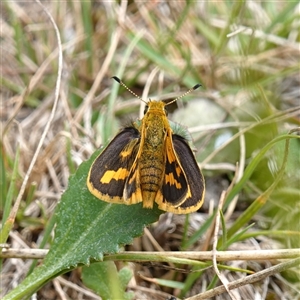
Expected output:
(86, 229)
(170, 283)
(106, 281)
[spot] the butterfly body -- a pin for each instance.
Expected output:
(149, 162)
(152, 149)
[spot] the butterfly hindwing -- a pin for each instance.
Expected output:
(183, 188)
(175, 187)
(194, 177)
(109, 172)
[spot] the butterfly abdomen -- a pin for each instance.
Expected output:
(151, 174)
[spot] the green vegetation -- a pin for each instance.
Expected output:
(244, 122)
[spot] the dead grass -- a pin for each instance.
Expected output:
(186, 43)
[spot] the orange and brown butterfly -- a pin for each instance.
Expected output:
(149, 161)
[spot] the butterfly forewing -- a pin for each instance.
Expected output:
(110, 169)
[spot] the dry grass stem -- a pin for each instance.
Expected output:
(58, 103)
(222, 256)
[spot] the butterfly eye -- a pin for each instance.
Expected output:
(146, 109)
(166, 112)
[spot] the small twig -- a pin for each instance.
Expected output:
(248, 280)
(238, 176)
(147, 89)
(59, 289)
(218, 126)
(153, 241)
(71, 285)
(215, 244)
(211, 229)
(257, 255)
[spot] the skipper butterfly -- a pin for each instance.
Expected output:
(149, 161)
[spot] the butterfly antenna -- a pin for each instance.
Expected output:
(127, 88)
(187, 92)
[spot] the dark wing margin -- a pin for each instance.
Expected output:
(109, 171)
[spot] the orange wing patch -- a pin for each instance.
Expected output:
(120, 174)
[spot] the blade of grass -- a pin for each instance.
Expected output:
(156, 57)
(106, 127)
(253, 164)
(86, 11)
(261, 200)
(7, 223)
(235, 9)
(3, 180)
(281, 16)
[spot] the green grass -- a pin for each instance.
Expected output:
(246, 57)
